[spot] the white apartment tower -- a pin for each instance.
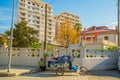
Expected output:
(33, 11)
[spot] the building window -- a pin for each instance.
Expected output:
(33, 8)
(29, 20)
(49, 8)
(33, 4)
(37, 5)
(50, 24)
(33, 17)
(50, 20)
(42, 37)
(94, 39)
(105, 37)
(23, 0)
(50, 34)
(28, 7)
(28, 2)
(42, 23)
(33, 21)
(88, 38)
(41, 6)
(49, 41)
(29, 16)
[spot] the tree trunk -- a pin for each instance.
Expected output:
(66, 50)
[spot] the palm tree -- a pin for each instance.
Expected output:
(78, 27)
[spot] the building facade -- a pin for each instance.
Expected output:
(62, 17)
(33, 11)
(66, 15)
(99, 37)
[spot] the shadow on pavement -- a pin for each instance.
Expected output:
(48, 74)
(41, 74)
(108, 73)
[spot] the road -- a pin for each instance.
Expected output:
(96, 75)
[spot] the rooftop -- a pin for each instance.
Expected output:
(100, 29)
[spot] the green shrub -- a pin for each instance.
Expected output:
(73, 51)
(111, 48)
(36, 45)
(78, 56)
(91, 55)
(78, 51)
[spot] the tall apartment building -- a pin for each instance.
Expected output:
(66, 15)
(33, 11)
(61, 18)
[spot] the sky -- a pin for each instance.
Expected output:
(91, 12)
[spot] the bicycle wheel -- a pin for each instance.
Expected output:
(83, 70)
(59, 71)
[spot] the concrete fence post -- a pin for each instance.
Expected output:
(83, 54)
(23, 52)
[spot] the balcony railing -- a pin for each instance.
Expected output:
(99, 41)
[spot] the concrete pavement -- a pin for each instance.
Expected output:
(15, 71)
(50, 75)
(104, 75)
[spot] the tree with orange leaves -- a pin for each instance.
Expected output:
(67, 34)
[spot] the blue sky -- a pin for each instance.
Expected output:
(91, 12)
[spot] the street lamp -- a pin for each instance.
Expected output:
(11, 36)
(118, 23)
(45, 36)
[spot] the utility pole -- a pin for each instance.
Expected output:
(118, 23)
(11, 36)
(45, 35)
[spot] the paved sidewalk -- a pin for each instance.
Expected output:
(104, 75)
(15, 71)
(50, 75)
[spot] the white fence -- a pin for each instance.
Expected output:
(92, 59)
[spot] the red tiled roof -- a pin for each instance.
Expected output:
(98, 31)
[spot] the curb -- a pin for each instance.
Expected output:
(10, 74)
(7, 74)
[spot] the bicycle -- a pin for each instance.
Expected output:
(82, 70)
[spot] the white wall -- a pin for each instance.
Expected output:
(100, 64)
(92, 63)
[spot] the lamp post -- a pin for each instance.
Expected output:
(45, 37)
(11, 36)
(118, 23)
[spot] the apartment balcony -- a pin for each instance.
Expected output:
(22, 11)
(49, 30)
(22, 16)
(22, 7)
(22, 3)
(99, 41)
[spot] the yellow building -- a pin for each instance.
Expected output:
(33, 11)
